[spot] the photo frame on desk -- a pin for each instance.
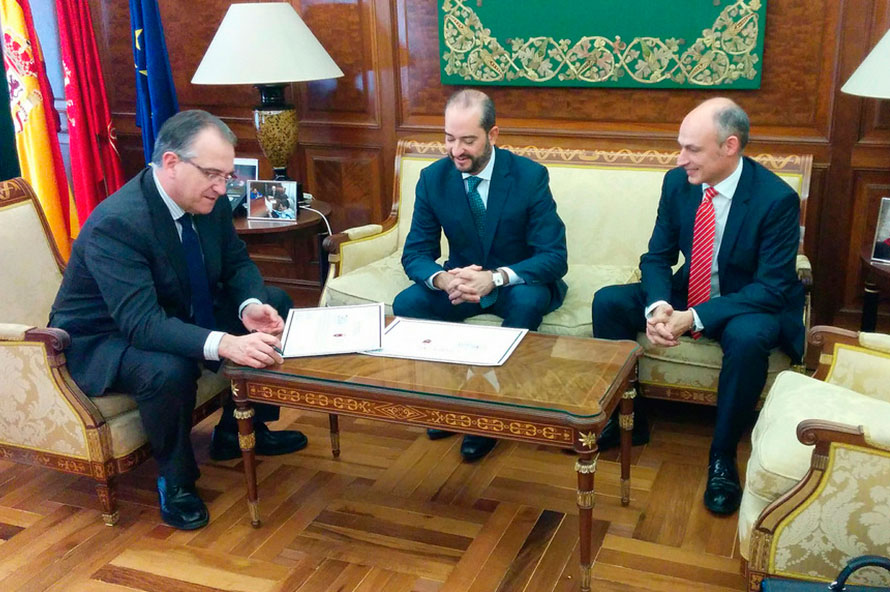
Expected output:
(246, 169)
(272, 201)
(881, 246)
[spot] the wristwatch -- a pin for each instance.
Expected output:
(498, 277)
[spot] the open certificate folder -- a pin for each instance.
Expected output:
(455, 343)
(333, 330)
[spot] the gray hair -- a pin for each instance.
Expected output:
(178, 133)
(471, 98)
(732, 120)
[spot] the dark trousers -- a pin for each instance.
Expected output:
(521, 306)
(165, 386)
(746, 340)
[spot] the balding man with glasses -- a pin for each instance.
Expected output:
(159, 282)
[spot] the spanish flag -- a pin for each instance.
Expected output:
(35, 122)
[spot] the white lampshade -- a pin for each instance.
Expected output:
(264, 43)
(872, 77)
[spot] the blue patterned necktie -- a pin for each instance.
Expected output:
(202, 305)
(477, 208)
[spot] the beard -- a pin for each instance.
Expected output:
(477, 163)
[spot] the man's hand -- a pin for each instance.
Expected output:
(680, 322)
(256, 350)
(474, 283)
(262, 318)
(657, 326)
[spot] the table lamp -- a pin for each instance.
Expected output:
(268, 45)
(872, 77)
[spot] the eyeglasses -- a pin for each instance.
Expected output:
(213, 175)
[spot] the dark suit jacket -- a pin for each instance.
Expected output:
(522, 229)
(756, 262)
(126, 283)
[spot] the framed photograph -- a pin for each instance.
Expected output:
(881, 250)
(272, 200)
(246, 169)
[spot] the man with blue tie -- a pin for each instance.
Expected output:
(158, 281)
(738, 227)
(507, 245)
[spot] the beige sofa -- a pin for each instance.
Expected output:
(817, 490)
(608, 202)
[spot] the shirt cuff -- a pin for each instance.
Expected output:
(246, 303)
(512, 278)
(647, 312)
(697, 325)
(211, 345)
(429, 281)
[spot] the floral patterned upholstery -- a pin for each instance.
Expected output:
(608, 201)
(44, 417)
(805, 512)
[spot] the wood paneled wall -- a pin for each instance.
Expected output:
(388, 50)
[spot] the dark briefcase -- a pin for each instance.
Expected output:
(775, 585)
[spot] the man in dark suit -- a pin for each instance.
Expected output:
(158, 281)
(738, 227)
(507, 245)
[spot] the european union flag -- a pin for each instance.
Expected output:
(155, 93)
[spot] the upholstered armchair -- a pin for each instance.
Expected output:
(817, 491)
(45, 419)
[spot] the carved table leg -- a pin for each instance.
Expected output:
(247, 440)
(335, 434)
(585, 467)
(107, 491)
(626, 423)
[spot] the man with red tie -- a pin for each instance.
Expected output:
(737, 225)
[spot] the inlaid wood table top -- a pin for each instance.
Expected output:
(546, 376)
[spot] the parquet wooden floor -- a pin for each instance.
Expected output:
(395, 513)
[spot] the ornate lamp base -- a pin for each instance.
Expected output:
(276, 127)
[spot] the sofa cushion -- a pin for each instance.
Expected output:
(695, 364)
(778, 460)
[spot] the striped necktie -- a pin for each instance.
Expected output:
(702, 252)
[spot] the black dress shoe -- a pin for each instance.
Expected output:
(723, 493)
(610, 437)
(224, 443)
(475, 447)
(181, 507)
(434, 434)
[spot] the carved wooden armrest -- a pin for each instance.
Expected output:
(332, 243)
(54, 340)
(823, 338)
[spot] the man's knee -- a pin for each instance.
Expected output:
(750, 336)
(411, 302)
(617, 311)
(524, 306)
(170, 376)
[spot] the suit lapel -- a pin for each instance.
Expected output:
(737, 210)
(165, 231)
(501, 186)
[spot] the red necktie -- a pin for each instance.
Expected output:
(702, 253)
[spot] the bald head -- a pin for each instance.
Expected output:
(711, 140)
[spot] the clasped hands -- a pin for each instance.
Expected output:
(465, 284)
(665, 325)
(260, 347)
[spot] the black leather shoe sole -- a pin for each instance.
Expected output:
(475, 447)
(434, 434)
(224, 444)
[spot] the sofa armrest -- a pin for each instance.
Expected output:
(361, 245)
(805, 272)
(809, 531)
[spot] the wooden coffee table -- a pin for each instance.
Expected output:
(553, 390)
